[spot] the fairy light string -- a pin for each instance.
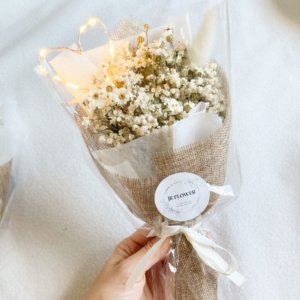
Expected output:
(46, 69)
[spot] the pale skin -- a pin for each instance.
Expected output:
(111, 281)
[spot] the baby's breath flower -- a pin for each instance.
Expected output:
(147, 87)
(86, 122)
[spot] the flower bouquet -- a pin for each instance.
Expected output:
(153, 107)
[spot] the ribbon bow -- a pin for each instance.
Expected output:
(204, 247)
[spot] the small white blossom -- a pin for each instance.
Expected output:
(86, 122)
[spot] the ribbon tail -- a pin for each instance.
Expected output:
(140, 267)
(224, 190)
(237, 278)
(211, 258)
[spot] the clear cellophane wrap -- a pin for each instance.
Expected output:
(183, 275)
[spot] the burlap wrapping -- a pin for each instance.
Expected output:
(4, 179)
(207, 159)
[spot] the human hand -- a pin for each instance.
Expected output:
(111, 281)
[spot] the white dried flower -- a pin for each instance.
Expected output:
(86, 122)
(148, 87)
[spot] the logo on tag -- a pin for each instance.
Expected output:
(182, 196)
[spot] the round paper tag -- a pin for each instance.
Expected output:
(182, 196)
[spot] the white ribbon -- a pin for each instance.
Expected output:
(204, 247)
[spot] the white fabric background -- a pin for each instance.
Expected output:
(64, 222)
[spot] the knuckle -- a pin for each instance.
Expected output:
(118, 246)
(150, 244)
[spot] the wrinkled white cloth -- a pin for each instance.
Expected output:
(65, 221)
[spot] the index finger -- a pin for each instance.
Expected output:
(133, 243)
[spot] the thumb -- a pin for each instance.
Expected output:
(158, 255)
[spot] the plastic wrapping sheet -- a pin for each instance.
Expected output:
(198, 144)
